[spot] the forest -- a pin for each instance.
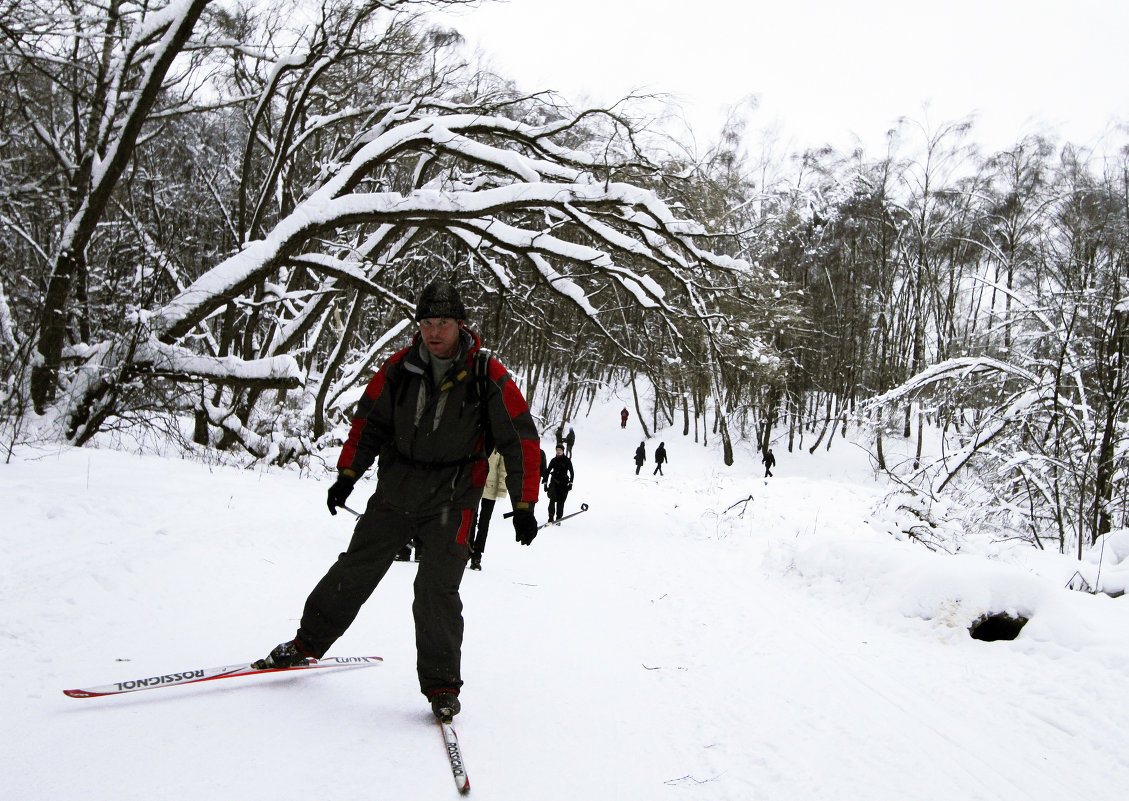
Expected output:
(215, 220)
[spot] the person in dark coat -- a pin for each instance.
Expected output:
(769, 461)
(660, 457)
(432, 414)
(569, 440)
(623, 415)
(640, 457)
(558, 484)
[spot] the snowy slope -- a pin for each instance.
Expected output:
(656, 647)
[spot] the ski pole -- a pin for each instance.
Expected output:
(353, 512)
(583, 508)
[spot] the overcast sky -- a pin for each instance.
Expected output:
(828, 70)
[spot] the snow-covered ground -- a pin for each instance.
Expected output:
(671, 643)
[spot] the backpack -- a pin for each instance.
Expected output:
(480, 379)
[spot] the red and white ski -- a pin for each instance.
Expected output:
(455, 755)
(211, 674)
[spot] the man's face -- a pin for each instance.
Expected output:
(440, 335)
(560, 451)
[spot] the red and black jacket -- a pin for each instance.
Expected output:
(432, 441)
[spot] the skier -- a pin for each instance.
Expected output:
(431, 414)
(660, 457)
(494, 489)
(769, 462)
(558, 483)
(623, 415)
(640, 457)
(570, 440)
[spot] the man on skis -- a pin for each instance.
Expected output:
(432, 414)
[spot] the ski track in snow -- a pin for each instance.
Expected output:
(670, 643)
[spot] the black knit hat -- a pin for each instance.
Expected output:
(440, 299)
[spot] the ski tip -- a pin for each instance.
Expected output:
(80, 694)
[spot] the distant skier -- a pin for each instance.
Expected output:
(623, 417)
(558, 483)
(660, 457)
(769, 461)
(640, 457)
(569, 440)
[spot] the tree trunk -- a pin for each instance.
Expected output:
(70, 259)
(638, 410)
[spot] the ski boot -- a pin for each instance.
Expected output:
(285, 655)
(445, 704)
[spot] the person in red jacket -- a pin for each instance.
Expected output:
(429, 418)
(623, 415)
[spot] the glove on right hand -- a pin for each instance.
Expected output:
(525, 526)
(339, 492)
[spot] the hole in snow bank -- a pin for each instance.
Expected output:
(997, 627)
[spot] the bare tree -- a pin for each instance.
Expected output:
(125, 57)
(354, 203)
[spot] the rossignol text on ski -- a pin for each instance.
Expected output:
(454, 755)
(211, 674)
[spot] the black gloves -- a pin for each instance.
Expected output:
(339, 492)
(525, 525)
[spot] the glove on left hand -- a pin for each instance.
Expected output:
(525, 525)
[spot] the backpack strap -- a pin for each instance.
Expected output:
(481, 378)
(482, 366)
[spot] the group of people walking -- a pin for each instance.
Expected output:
(641, 451)
(660, 458)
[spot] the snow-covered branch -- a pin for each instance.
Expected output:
(491, 212)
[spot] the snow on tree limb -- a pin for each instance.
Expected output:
(995, 426)
(269, 447)
(7, 328)
(956, 369)
(567, 287)
(355, 372)
(150, 356)
(276, 371)
(335, 205)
